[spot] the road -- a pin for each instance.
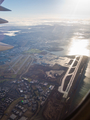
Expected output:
(73, 74)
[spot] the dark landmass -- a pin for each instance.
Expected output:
(43, 53)
(39, 72)
(53, 49)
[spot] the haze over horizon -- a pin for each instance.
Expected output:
(37, 9)
(48, 12)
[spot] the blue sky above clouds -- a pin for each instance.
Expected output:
(46, 8)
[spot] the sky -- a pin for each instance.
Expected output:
(24, 9)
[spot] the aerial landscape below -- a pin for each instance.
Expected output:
(44, 59)
(41, 72)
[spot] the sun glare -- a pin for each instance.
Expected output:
(79, 47)
(76, 8)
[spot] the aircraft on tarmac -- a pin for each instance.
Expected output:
(3, 9)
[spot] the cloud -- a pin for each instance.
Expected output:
(11, 33)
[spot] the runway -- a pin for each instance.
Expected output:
(75, 64)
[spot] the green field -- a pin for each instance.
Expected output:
(33, 51)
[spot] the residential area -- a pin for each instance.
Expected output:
(20, 99)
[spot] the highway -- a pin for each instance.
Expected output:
(73, 74)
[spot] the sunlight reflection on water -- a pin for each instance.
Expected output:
(79, 47)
